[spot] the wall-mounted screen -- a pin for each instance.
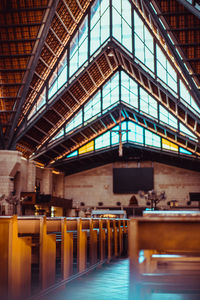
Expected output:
(132, 180)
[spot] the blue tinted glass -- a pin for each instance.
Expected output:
(184, 151)
(75, 153)
(61, 133)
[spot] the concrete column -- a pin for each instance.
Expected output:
(58, 185)
(31, 170)
(47, 178)
(10, 164)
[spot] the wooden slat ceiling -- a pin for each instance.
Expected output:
(20, 22)
(67, 16)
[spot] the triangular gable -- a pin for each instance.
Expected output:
(142, 48)
(129, 92)
(95, 30)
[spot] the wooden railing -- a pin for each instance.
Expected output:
(38, 254)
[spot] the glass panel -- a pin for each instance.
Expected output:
(79, 48)
(75, 122)
(32, 112)
(61, 133)
(167, 117)
(126, 35)
(53, 89)
(75, 153)
(86, 148)
(184, 151)
(187, 98)
(93, 107)
(169, 145)
(59, 77)
(110, 91)
(97, 10)
(62, 77)
(95, 37)
(135, 133)
(165, 71)
(139, 50)
(40, 103)
(117, 26)
(102, 141)
(152, 139)
(115, 134)
(42, 100)
(105, 26)
(100, 24)
(129, 90)
(144, 44)
(121, 17)
(148, 104)
(185, 130)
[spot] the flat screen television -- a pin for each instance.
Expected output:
(132, 180)
(194, 197)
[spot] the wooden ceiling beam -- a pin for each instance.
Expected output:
(44, 29)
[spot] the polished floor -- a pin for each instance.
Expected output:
(109, 282)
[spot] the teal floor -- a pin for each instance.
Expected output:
(109, 282)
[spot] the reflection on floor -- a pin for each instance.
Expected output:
(109, 282)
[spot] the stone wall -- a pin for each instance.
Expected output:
(96, 185)
(17, 174)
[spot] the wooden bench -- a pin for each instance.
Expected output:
(163, 234)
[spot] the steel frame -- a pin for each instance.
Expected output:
(190, 7)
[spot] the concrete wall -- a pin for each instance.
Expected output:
(96, 185)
